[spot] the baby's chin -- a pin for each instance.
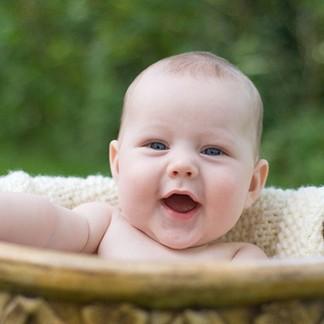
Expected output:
(177, 242)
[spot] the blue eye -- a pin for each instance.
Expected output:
(157, 146)
(212, 151)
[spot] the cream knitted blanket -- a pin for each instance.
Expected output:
(284, 223)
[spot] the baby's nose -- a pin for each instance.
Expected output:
(184, 169)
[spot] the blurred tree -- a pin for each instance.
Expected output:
(65, 65)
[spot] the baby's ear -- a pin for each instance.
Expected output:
(113, 158)
(258, 181)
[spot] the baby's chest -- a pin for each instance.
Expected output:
(124, 242)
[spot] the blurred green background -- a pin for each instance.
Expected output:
(65, 65)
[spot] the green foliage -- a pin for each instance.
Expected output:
(296, 155)
(64, 66)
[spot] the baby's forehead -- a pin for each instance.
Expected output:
(157, 74)
(162, 81)
(160, 88)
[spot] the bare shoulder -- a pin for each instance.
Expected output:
(247, 251)
(98, 216)
(90, 207)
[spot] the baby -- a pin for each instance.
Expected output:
(186, 164)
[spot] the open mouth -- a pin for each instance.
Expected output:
(180, 203)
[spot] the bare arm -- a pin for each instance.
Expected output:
(33, 220)
(249, 252)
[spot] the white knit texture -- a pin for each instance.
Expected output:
(284, 223)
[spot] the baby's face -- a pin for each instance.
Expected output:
(185, 163)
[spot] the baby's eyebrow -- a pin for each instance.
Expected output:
(217, 134)
(155, 127)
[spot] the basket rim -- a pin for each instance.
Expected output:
(84, 278)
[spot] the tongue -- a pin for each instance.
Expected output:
(180, 203)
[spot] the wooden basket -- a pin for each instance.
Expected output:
(39, 286)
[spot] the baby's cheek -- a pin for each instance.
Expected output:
(135, 184)
(228, 198)
(224, 187)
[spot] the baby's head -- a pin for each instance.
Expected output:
(204, 66)
(187, 157)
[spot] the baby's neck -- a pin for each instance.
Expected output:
(124, 242)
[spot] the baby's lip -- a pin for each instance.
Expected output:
(182, 192)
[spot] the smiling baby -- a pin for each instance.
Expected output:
(186, 163)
